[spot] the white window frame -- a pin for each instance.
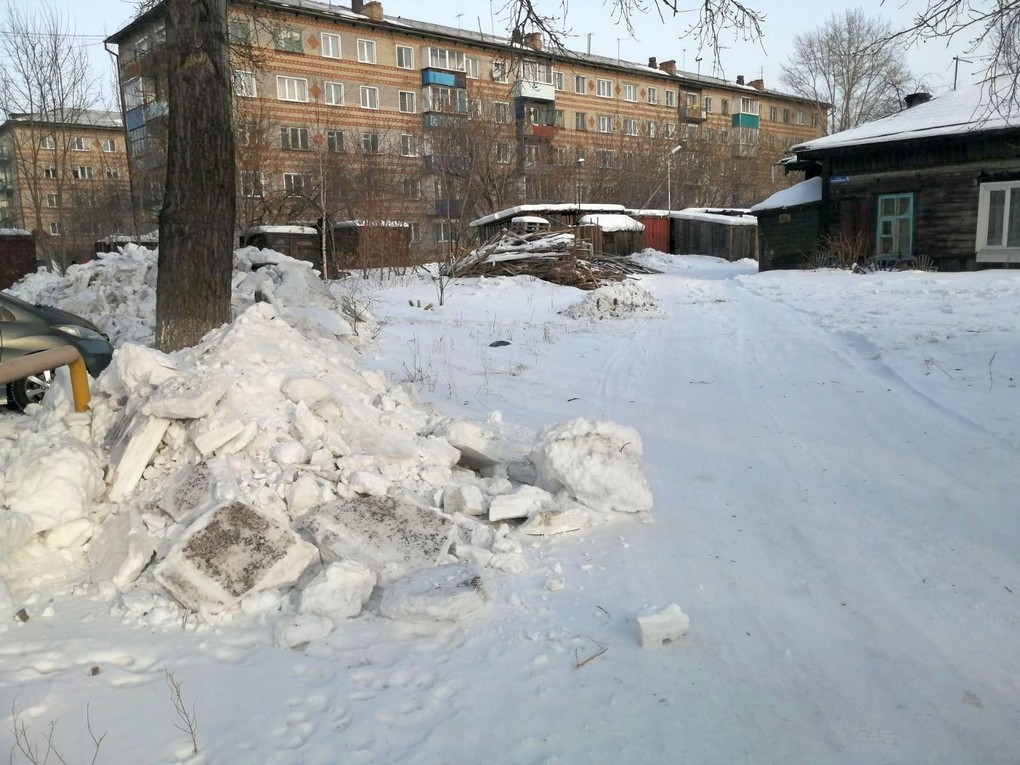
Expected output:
(405, 57)
(604, 124)
(245, 84)
(366, 51)
(284, 39)
(408, 145)
(559, 80)
(471, 67)
(500, 71)
(630, 92)
(333, 93)
(51, 172)
(112, 173)
(407, 101)
(670, 98)
(291, 89)
(580, 84)
(251, 184)
(369, 97)
(370, 142)
(80, 143)
(47, 142)
(82, 173)
(56, 229)
(501, 112)
(297, 138)
(53, 200)
(1001, 251)
(290, 188)
(604, 88)
(334, 46)
(108, 145)
(630, 126)
(653, 96)
(334, 141)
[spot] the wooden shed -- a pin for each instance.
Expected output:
(300, 242)
(361, 245)
(558, 215)
(788, 226)
(619, 234)
(731, 234)
(657, 228)
(17, 255)
(113, 242)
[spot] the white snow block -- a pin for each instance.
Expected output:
(210, 433)
(121, 548)
(297, 629)
(527, 500)
(339, 592)
(188, 396)
(229, 552)
(451, 593)
(658, 627)
(466, 499)
(549, 522)
(307, 390)
(199, 488)
(392, 537)
(364, 482)
(598, 463)
(478, 447)
(132, 450)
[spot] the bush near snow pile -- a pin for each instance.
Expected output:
(263, 472)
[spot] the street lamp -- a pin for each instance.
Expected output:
(580, 165)
(669, 178)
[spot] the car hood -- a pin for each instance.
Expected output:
(54, 316)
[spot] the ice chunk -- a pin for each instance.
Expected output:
(466, 499)
(548, 522)
(230, 551)
(527, 500)
(134, 445)
(339, 592)
(121, 548)
(478, 447)
(210, 433)
(198, 489)
(297, 629)
(187, 396)
(659, 626)
(454, 592)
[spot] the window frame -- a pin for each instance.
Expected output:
(289, 143)
(1003, 252)
(330, 87)
(373, 97)
(284, 40)
(407, 98)
(409, 51)
(332, 37)
(300, 83)
(630, 92)
(581, 84)
(603, 88)
(366, 51)
(896, 253)
(408, 145)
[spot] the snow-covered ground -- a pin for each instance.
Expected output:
(832, 457)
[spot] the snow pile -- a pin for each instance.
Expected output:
(266, 475)
(616, 301)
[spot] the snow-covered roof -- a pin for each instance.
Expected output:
(14, 232)
(530, 219)
(612, 222)
(364, 223)
(88, 117)
(513, 212)
(802, 193)
(975, 108)
(150, 238)
(726, 216)
(280, 230)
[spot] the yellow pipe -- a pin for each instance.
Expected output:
(35, 363)
(80, 385)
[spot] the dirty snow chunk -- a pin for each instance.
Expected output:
(298, 629)
(230, 551)
(363, 482)
(549, 522)
(450, 593)
(658, 627)
(187, 396)
(393, 537)
(598, 463)
(478, 447)
(121, 548)
(619, 300)
(210, 433)
(526, 501)
(135, 443)
(198, 489)
(339, 592)
(465, 499)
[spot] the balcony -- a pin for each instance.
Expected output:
(534, 90)
(435, 120)
(453, 165)
(543, 132)
(443, 78)
(692, 113)
(741, 120)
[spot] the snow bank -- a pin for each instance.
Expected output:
(267, 475)
(618, 300)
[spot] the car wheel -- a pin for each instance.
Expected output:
(30, 390)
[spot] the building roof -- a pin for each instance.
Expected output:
(983, 107)
(803, 193)
(513, 212)
(80, 117)
(612, 222)
(726, 216)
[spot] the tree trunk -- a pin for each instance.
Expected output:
(196, 224)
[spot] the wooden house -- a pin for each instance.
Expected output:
(788, 226)
(614, 233)
(939, 179)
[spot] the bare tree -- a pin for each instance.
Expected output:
(196, 224)
(852, 63)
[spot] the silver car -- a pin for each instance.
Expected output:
(27, 328)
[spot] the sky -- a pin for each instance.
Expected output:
(794, 539)
(652, 35)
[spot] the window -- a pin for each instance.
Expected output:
(334, 140)
(671, 98)
(292, 88)
(112, 173)
(895, 225)
(670, 129)
(408, 145)
(559, 155)
(330, 45)
(786, 115)
(405, 57)
(537, 71)
(415, 231)
(366, 51)
(630, 127)
(725, 106)
(238, 32)
(471, 68)
(56, 228)
(412, 188)
(78, 143)
(53, 200)
(653, 129)
(604, 158)
(503, 153)
(501, 112)
(244, 84)
(748, 105)
(998, 232)
(499, 73)
(708, 105)
(444, 231)
(448, 100)
(370, 143)
(251, 184)
(333, 92)
(82, 173)
(531, 153)
(773, 113)
(653, 96)
(629, 91)
(580, 121)
(443, 58)
(51, 172)
(605, 123)
(369, 97)
(296, 183)
(558, 119)
(580, 83)
(604, 88)
(406, 99)
(109, 145)
(294, 138)
(800, 118)
(288, 40)
(47, 142)
(558, 80)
